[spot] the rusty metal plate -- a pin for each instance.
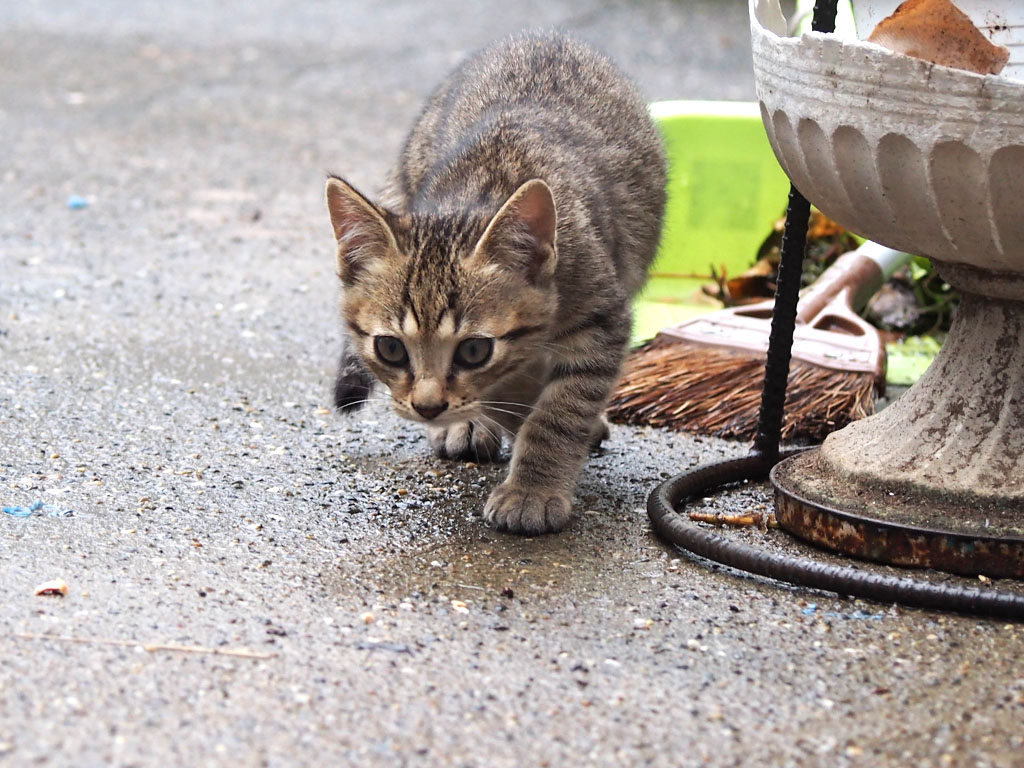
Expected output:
(810, 505)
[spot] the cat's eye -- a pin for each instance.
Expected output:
(391, 350)
(472, 353)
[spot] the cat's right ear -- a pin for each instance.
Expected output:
(521, 236)
(362, 234)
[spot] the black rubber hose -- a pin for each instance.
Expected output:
(780, 340)
(670, 525)
(787, 294)
(823, 18)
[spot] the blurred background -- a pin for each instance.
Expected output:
(325, 84)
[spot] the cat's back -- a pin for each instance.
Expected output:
(531, 103)
(546, 73)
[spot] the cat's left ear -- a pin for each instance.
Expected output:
(363, 235)
(521, 236)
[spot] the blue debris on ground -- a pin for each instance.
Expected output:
(38, 508)
(77, 203)
(812, 608)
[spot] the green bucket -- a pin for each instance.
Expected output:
(725, 190)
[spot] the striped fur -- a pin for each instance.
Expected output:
(524, 212)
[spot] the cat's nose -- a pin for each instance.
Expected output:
(429, 411)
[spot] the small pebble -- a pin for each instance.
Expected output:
(53, 587)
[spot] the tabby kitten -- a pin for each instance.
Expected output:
(489, 289)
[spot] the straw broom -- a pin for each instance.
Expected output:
(706, 375)
(717, 391)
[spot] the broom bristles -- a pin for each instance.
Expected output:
(717, 391)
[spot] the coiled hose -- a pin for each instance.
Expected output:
(670, 526)
(668, 499)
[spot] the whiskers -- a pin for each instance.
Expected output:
(354, 405)
(495, 432)
(517, 410)
(493, 403)
(551, 346)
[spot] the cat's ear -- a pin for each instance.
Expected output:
(360, 229)
(521, 236)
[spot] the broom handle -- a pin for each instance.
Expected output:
(862, 272)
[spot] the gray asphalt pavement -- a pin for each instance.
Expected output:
(255, 581)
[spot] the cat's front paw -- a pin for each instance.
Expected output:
(520, 509)
(467, 441)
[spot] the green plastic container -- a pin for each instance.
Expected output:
(725, 190)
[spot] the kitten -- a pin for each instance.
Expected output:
(490, 287)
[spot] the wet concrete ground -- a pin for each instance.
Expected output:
(166, 357)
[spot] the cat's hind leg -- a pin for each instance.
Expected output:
(466, 441)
